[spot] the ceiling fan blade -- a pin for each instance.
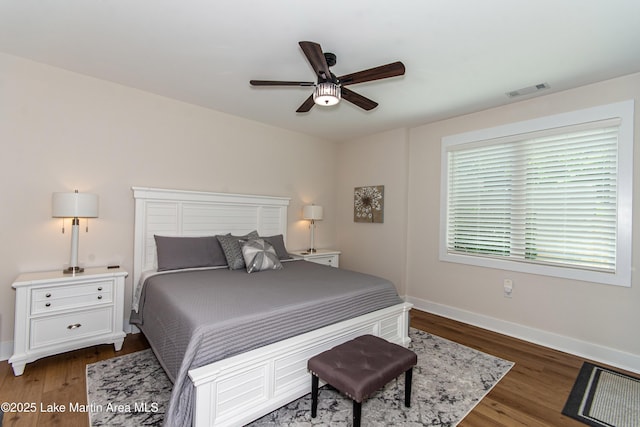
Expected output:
(278, 83)
(382, 72)
(316, 58)
(357, 99)
(306, 105)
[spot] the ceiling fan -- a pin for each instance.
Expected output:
(329, 89)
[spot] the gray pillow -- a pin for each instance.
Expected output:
(277, 242)
(231, 248)
(175, 253)
(259, 255)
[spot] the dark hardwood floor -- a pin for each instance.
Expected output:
(56, 379)
(534, 391)
(531, 394)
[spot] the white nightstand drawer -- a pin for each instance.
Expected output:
(328, 257)
(51, 330)
(46, 300)
(326, 260)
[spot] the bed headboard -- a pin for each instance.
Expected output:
(198, 213)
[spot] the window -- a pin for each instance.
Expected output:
(549, 196)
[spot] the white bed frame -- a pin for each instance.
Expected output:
(240, 389)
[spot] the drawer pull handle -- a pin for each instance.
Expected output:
(100, 288)
(75, 326)
(99, 296)
(48, 304)
(48, 295)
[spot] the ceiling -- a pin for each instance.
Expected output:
(460, 55)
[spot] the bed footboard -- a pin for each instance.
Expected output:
(240, 389)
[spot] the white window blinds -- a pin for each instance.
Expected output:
(550, 196)
(547, 197)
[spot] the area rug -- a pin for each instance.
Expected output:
(602, 397)
(448, 381)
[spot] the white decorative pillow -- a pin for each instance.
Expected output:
(259, 255)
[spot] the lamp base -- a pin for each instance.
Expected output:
(73, 270)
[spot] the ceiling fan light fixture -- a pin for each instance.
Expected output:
(326, 94)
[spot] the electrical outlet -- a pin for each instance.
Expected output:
(508, 288)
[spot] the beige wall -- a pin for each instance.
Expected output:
(61, 131)
(600, 321)
(374, 248)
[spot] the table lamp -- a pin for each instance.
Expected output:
(74, 205)
(312, 213)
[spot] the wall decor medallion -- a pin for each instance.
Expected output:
(368, 204)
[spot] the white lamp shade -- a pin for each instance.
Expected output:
(312, 212)
(74, 205)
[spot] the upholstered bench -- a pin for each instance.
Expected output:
(360, 367)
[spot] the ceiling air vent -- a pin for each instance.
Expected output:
(528, 90)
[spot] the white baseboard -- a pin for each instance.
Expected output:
(6, 350)
(587, 350)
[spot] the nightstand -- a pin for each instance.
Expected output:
(57, 312)
(321, 256)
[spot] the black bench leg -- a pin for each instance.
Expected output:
(314, 395)
(408, 375)
(357, 411)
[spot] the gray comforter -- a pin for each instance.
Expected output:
(193, 318)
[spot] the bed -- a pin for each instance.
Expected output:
(240, 378)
